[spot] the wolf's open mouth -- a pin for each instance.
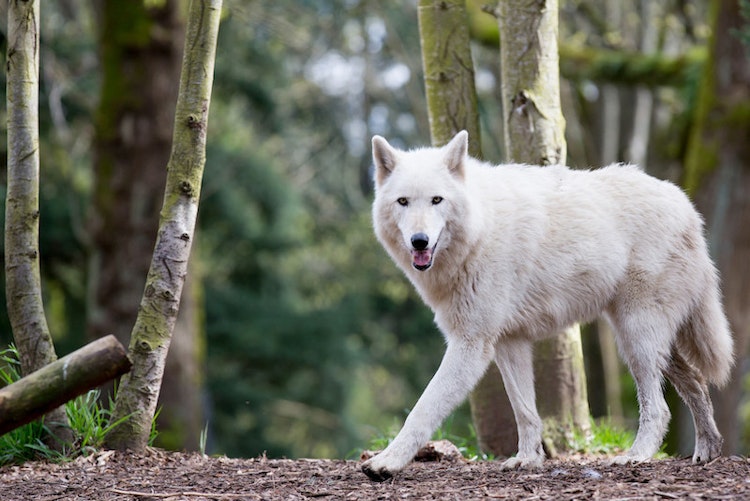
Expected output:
(421, 259)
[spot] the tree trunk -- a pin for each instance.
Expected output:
(452, 107)
(448, 72)
(718, 176)
(140, 61)
(157, 314)
(62, 380)
(22, 275)
(140, 53)
(534, 134)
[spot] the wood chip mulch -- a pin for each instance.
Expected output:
(159, 475)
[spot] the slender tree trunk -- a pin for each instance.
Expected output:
(140, 53)
(534, 134)
(718, 176)
(157, 314)
(452, 107)
(23, 283)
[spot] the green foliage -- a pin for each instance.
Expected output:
(607, 438)
(604, 437)
(89, 420)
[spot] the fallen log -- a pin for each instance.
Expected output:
(51, 386)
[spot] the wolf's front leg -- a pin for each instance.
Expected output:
(462, 366)
(514, 358)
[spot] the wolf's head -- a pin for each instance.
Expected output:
(419, 198)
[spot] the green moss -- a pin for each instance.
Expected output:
(126, 27)
(702, 154)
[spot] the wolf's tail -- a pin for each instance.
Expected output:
(706, 340)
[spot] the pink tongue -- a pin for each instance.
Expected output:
(422, 257)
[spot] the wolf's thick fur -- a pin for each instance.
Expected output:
(509, 254)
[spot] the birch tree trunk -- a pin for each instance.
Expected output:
(452, 107)
(717, 174)
(22, 275)
(534, 134)
(139, 390)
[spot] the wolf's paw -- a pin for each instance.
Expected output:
(523, 463)
(382, 466)
(705, 451)
(376, 472)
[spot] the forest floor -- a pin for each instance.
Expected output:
(158, 475)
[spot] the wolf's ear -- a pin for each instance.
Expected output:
(384, 157)
(455, 153)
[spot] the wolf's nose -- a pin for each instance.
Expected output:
(419, 241)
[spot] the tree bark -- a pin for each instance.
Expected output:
(22, 274)
(60, 381)
(140, 52)
(448, 72)
(718, 176)
(157, 314)
(452, 107)
(534, 134)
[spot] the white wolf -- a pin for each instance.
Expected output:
(506, 255)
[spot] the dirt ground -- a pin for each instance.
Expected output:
(159, 475)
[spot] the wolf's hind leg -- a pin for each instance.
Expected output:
(645, 343)
(693, 389)
(515, 361)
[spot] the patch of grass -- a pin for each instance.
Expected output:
(605, 437)
(23, 443)
(89, 420)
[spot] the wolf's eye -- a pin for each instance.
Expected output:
(436, 200)
(402, 201)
